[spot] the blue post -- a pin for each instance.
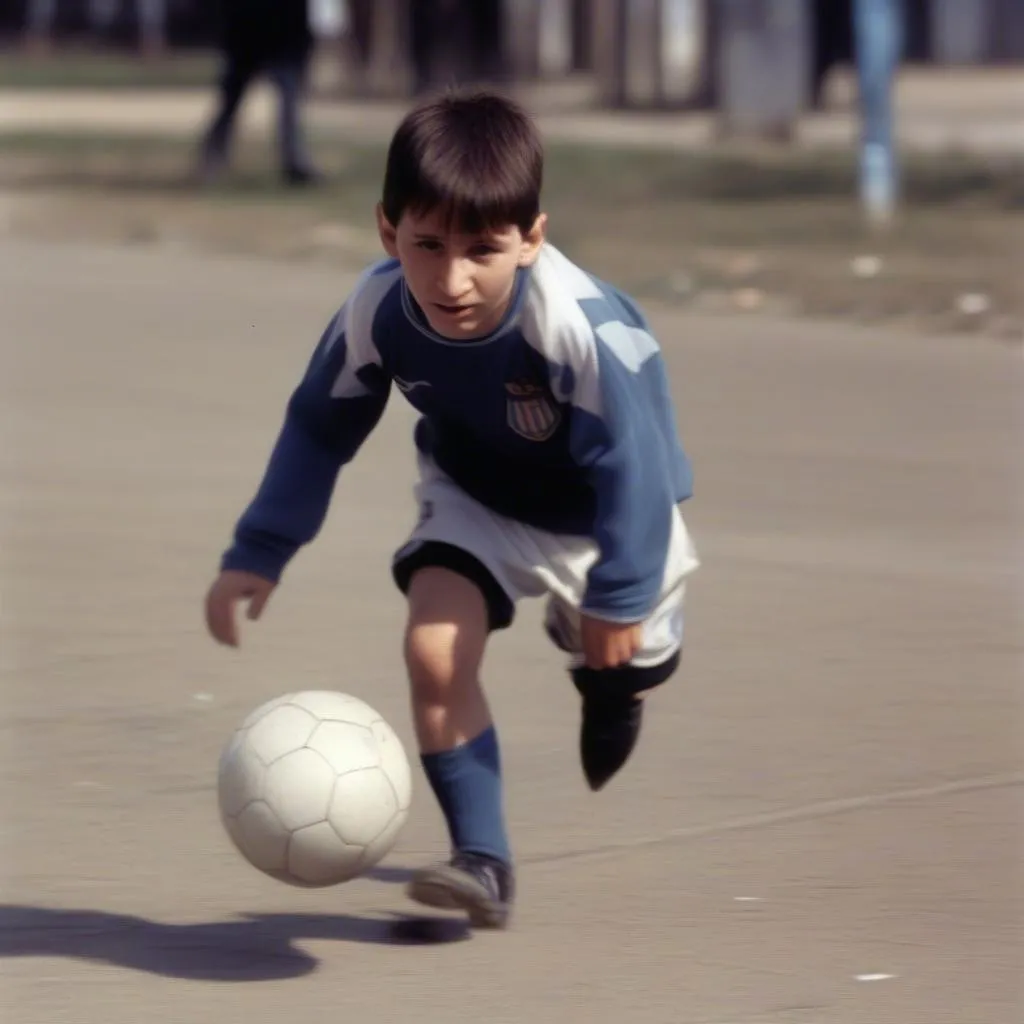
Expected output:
(878, 34)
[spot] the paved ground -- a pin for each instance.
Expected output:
(958, 110)
(829, 791)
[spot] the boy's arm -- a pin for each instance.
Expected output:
(680, 470)
(329, 415)
(617, 435)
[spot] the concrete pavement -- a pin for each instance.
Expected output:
(822, 825)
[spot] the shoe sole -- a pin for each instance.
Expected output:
(451, 890)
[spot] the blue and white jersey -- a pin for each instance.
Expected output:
(561, 418)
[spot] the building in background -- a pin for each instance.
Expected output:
(432, 39)
(43, 20)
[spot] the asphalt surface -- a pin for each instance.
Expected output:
(823, 822)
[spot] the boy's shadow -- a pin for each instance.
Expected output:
(255, 947)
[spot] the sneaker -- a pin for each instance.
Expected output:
(608, 734)
(481, 886)
(302, 177)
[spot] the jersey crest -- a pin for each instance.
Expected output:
(532, 412)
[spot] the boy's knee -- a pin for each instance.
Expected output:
(431, 661)
(445, 636)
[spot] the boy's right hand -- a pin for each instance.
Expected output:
(230, 587)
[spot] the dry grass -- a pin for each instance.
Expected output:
(765, 231)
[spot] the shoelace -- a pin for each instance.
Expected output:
(486, 873)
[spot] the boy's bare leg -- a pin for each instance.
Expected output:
(444, 647)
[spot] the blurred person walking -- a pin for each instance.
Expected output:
(263, 37)
(456, 42)
(879, 28)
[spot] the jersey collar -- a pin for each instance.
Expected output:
(415, 315)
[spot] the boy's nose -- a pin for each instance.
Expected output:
(454, 282)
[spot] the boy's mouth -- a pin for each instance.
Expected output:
(452, 310)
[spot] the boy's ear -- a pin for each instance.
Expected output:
(388, 233)
(533, 240)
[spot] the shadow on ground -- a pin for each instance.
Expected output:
(391, 875)
(254, 947)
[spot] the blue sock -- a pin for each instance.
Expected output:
(467, 784)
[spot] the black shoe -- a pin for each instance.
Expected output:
(608, 734)
(481, 886)
(210, 168)
(302, 177)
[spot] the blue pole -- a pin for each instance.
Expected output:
(878, 34)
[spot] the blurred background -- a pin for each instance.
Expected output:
(842, 158)
(186, 188)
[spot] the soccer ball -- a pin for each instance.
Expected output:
(313, 788)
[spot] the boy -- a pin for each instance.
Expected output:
(549, 465)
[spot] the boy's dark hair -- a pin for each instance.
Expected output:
(474, 157)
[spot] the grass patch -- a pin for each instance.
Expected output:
(91, 69)
(760, 230)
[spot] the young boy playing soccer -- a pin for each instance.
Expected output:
(549, 463)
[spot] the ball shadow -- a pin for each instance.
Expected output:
(391, 875)
(256, 947)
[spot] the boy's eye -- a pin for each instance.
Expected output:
(429, 244)
(484, 250)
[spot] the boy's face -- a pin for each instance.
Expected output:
(462, 283)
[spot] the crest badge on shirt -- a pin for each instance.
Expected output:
(532, 412)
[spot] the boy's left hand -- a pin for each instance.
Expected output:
(609, 644)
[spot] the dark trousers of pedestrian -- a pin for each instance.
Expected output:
(288, 75)
(456, 42)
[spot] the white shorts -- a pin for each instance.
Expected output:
(520, 561)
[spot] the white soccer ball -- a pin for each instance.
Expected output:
(314, 788)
